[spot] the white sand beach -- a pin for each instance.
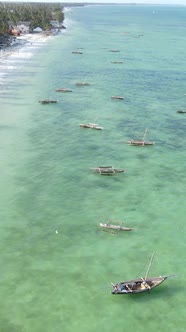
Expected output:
(31, 38)
(34, 37)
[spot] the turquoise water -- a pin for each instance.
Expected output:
(56, 264)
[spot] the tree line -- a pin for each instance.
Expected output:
(38, 14)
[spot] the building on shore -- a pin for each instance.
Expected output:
(19, 28)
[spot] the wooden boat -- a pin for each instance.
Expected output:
(82, 84)
(139, 285)
(107, 170)
(90, 126)
(63, 90)
(113, 50)
(77, 52)
(116, 227)
(141, 142)
(118, 97)
(47, 101)
(181, 111)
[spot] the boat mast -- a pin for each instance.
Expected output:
(145, 133)
(150, 262)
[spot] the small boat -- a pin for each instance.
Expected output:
(47, 101)
(107, 170)
(117, 97)
(141, 142)
(181, 111)
(77, 52)
(63, 90)
(91, 126)
(139, 285)
(116, 227)
(113, 50)
(116, 61)
(82, 84)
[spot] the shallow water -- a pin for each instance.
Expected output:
(56, 264)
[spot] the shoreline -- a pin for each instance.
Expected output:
(23, 40)
(32, 39)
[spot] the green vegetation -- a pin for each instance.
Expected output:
(38, 14)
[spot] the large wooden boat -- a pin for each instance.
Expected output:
(47, 101)
(63, 90)
(90, 126)
(139, 285)
(140, 142)
(118, 97)
(115, 227)
(107, 170)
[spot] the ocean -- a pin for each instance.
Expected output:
(57, 264)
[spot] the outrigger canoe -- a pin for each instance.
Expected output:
(113, 50)
(77, 52)
(140, 142)
(90, 126)
(118, 97)
(63, 90)
(116, 227)
(47, 101)
(118, 62)
(107, 170)
(82, 84)
(181, 111)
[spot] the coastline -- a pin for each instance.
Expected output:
(23, 40)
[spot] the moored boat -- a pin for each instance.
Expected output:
(115, 227)
(107, 170)
(90, 126)
(114, 50)
(117, 97)
(181, 111)
(77, 52)
(63, 90)
(140, 142)
(47, 101)
(82, 84)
